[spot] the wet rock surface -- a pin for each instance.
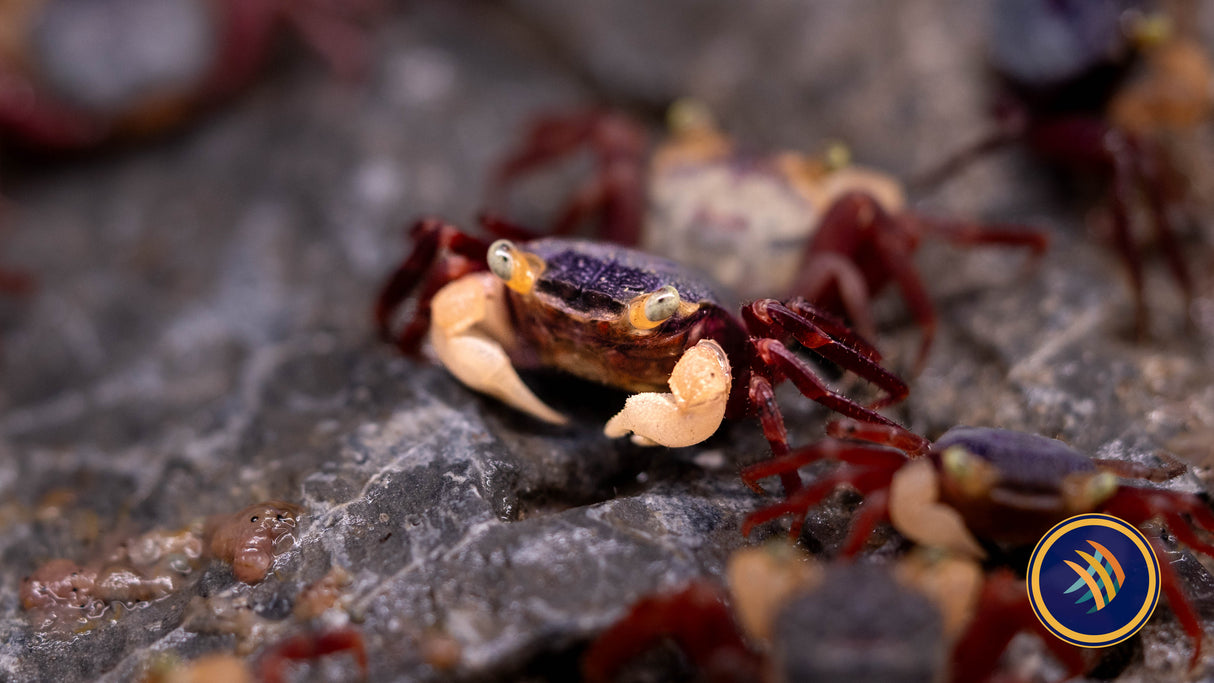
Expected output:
(200, 340)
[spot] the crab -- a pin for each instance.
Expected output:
(786, 617)
(1104, 87)
(622, 318)
(979, 490)
(75, 73)
(829, 231)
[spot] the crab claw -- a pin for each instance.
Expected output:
(470, 324)
(690, 413)
(916, 512)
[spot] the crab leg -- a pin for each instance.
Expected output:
(882, 435)
(776, 355)
(970, 233)
(1152, 172)
(1002, 612)
(834, 326)
(762, 399)
(690, 413)
(696, 618)
(615, 194)
(863, 479)
(826, 449)
(770, 318)
(1178, 601)
(1118, 149)
(458, 254)
(469, 330)
(823, 269)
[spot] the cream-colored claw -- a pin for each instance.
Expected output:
(692, 412)
(916, 511)
(470, 330)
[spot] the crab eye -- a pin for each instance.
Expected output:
(973, 476)
(661, 304)
(652, 309)
(956, 462)
(1101, 487)
(501, 259)
(516, 267)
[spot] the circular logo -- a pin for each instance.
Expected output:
(1093, 580)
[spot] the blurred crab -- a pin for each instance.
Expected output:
(823, 229)
(786, 617)
(75, 73)
(981, 489)
(1101, 86)
(622, 318)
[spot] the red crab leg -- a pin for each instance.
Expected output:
(1092, 142)
(895, 437)
(872, 511)
(1002, 136)
(1154, 178)
(329, 28)
(762, 398)
(826, 449)
(833, 326)
(1118, 150)
(1003, 610)
(617, 195)
(1137, 506)
(777, 356)
(432, 238)
(306, 646)
(548, 139)
(770, 318)
(972, 233)
(1178, 601)
(499, 227)
(448, 270)
(616, 192)
(696, 618)
(892, 248)
(864, 480)
(821, 269)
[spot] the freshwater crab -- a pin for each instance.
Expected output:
(786, 617)
(622, 318)
(75, 73)
(823, 229)
(1100, 86)
(980, 490)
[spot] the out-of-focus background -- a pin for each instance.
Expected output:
(198, 337)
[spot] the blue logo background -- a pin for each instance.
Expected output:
(1141, 583)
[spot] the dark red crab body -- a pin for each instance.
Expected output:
(576, 317)
(781, 223)
(985, 488)
(620, 317)
(1013, 486)
(1108, 87)
(75, 73)
(784, 618)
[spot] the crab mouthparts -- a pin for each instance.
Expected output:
(1026, 500)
